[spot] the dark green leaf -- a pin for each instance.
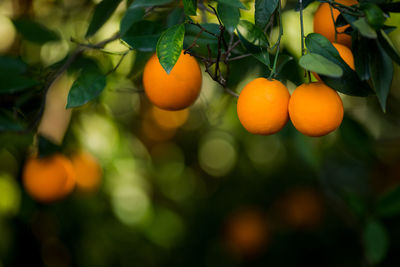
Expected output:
(102, 13)
(169, 46)
(35, 32)
(88, 86)
(258, 52)
(389, 204)
(12, 65)
(390, 7)
(233, 3)
(388, 46)
(203, 40)
(143, 36)
(381, 69)
(132, 15)
(148, 3)
(364, 28)
(229, 16)
(360, 49)
(321, 65)
(8, 122)
(46, 147)
(374, 15)
(12, 83)
(263, 11)
(282, 61)
(376, 241)
(190, 7)
(177, 16)
(349, 83)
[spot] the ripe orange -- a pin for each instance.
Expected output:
(302, 208)
(176, 90)
(48, 179)
(262, 106)
(345, 53)
(315, 109)
(324, 23)
(88, 171)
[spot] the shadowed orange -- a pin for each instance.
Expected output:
(88, 171)
(324, 23)
(262, 106)
(174, 91)
(345, 53)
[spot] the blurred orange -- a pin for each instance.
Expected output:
(88, 171)
(152, 131)
(302, 208)
(49, 179)
(247, 232)
(170, 119)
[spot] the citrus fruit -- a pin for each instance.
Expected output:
(315, 109)
(48, 179)
(324, 23)
(176, 90)
(262, 106)
(88, 171)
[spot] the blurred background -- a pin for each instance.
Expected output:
(193, 188)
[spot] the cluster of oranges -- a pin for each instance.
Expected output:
(264, 105)
(52, 178)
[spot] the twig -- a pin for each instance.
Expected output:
(239, 57)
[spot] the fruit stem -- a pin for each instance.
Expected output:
(301, 27)
(334, 23)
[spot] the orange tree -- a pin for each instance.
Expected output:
(175, 44)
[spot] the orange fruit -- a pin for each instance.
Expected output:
(324, 23)
(262, 106)
(88, 171)
(315, 109)
(302, 208)
(176, 90)
(247, 232)
(48, 179)
(170, 119)
(345, 53)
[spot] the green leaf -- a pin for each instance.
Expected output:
(88, 86)
(13, 83)
(349, 83)
(46, 147)
(102, 13)
(143, 36)
(233, 3)
(148, 3)
(261, 54)
(132, 15)
(321, 65)
(204, 39)
(364, 28)
(35, 32)
(263, 11)
(388, 46)
(12, 65)
(374, 15)
(8, 122)
(381, 69)
(190, 7)
(176, 16)
(360, 50)
(170, 45)
(376, 241)
(229, 16)
(283, 59)
(389, 204)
